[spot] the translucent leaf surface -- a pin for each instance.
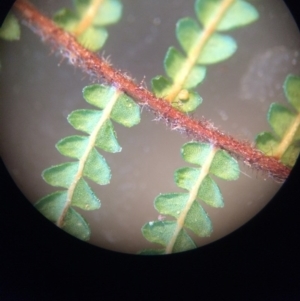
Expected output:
(174, 203)
(267, 143)
(186, 177)
(162, 232)
(174, 63)
(93, 38)
(188, 33)
(210, 193)
(195, 152)
(290, 156)
(66, 19)
(171, 203)
(96, 168)
(183, 242)
(240, 13)
(195, 77)
(52, 205)
(106, 138)
(110, 12)
(159, 232)
(292, 91)
(73, 146)
(160, 86)
(98, 95)
(84, 120)
(224, 166)
(280, 118)
(76, 225)
(61, 175)
(126, 111)
(217, 48)
(198, 221)
(84, 197)
(293, 151)
(10, 28)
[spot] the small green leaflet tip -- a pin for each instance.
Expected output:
(10, 29)
(291, 89)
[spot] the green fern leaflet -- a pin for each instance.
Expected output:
(87, 23)
(90, 164)
(284, 143)
(185, 207)
(10, 28)
(202, 45)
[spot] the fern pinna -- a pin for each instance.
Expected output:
(87, 25)
(202, 46)
(87, 22)
(185, 206)
(57, 206)
(188, 212)
(284, 143)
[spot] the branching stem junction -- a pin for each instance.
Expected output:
(95, 66)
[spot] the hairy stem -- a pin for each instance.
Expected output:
(93, 65)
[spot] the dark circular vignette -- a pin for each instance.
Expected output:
(259, 261)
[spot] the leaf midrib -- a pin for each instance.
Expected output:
(91, 144)
(192, 197)
(195, 52)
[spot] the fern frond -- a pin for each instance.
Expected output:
(91, 164)
(185, 206)
(98, 68)
(87, 23)
(284, 142)
(202, 46)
